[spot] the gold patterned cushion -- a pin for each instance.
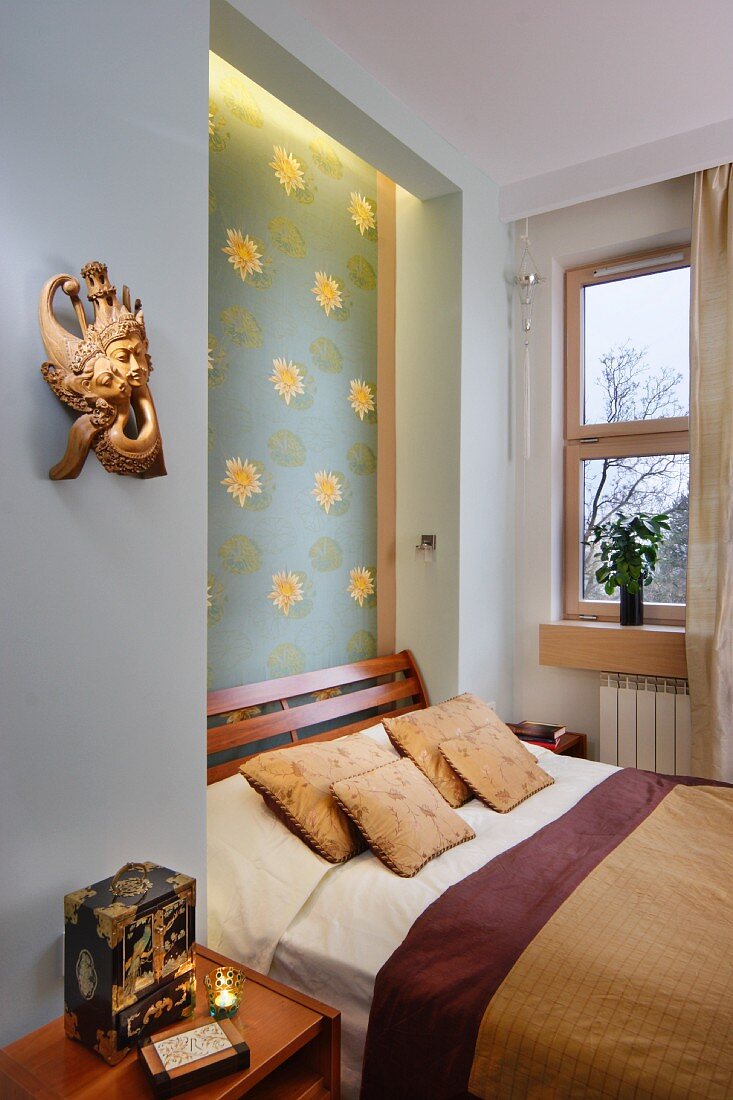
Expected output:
(419, 734)
(296, 784)
(401, 815)
(496, 766)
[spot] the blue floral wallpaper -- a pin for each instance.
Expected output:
(292, 371)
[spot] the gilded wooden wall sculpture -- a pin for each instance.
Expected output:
(104, 376)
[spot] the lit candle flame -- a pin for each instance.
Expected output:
(225, 999)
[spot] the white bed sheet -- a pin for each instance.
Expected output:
(259, 873)
(359, 912)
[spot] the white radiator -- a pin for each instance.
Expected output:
(645, 723)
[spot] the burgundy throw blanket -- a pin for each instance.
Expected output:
(431, 995)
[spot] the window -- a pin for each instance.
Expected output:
(626, 420)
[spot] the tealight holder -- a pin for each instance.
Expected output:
(224, 987)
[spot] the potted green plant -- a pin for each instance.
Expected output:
(627, 549)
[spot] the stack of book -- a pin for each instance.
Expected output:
(541, 732)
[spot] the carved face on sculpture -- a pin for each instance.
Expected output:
(102, 378)
(130, 356)
(109, 382)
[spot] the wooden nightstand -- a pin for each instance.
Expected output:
(570, 744)
(294, 1043)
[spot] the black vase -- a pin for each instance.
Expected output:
(632, 607)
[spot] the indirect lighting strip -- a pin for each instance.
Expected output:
(638, 265)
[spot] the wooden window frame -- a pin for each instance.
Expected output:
(669, 435)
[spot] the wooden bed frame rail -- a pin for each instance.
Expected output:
(398, 690)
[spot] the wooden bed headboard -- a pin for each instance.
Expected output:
(398, 689)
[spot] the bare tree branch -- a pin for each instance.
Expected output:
(632, 390)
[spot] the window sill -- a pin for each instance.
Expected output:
(610, 647)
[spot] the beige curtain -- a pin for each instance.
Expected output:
(710, 561)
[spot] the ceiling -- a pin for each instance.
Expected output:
(529, 89)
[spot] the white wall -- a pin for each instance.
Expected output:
(454, 454)
(454, 457)
(648, 217)
(428, 408)
(488, 568)
(103, 579)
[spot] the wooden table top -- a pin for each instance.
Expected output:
(275, 1021)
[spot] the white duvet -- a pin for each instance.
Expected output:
(327, 930)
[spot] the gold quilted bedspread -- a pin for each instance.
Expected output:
(627, 992)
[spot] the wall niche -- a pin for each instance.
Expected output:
(292, 369)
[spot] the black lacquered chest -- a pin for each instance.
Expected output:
(129, 957)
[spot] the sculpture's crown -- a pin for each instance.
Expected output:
(99, 287)
(112, 321)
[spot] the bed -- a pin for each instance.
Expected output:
(509, 966)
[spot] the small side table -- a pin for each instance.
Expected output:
(573, 744)
(294, 1043)
(570, 744)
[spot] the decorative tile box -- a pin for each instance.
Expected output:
(129, 957)
(175, 1062)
